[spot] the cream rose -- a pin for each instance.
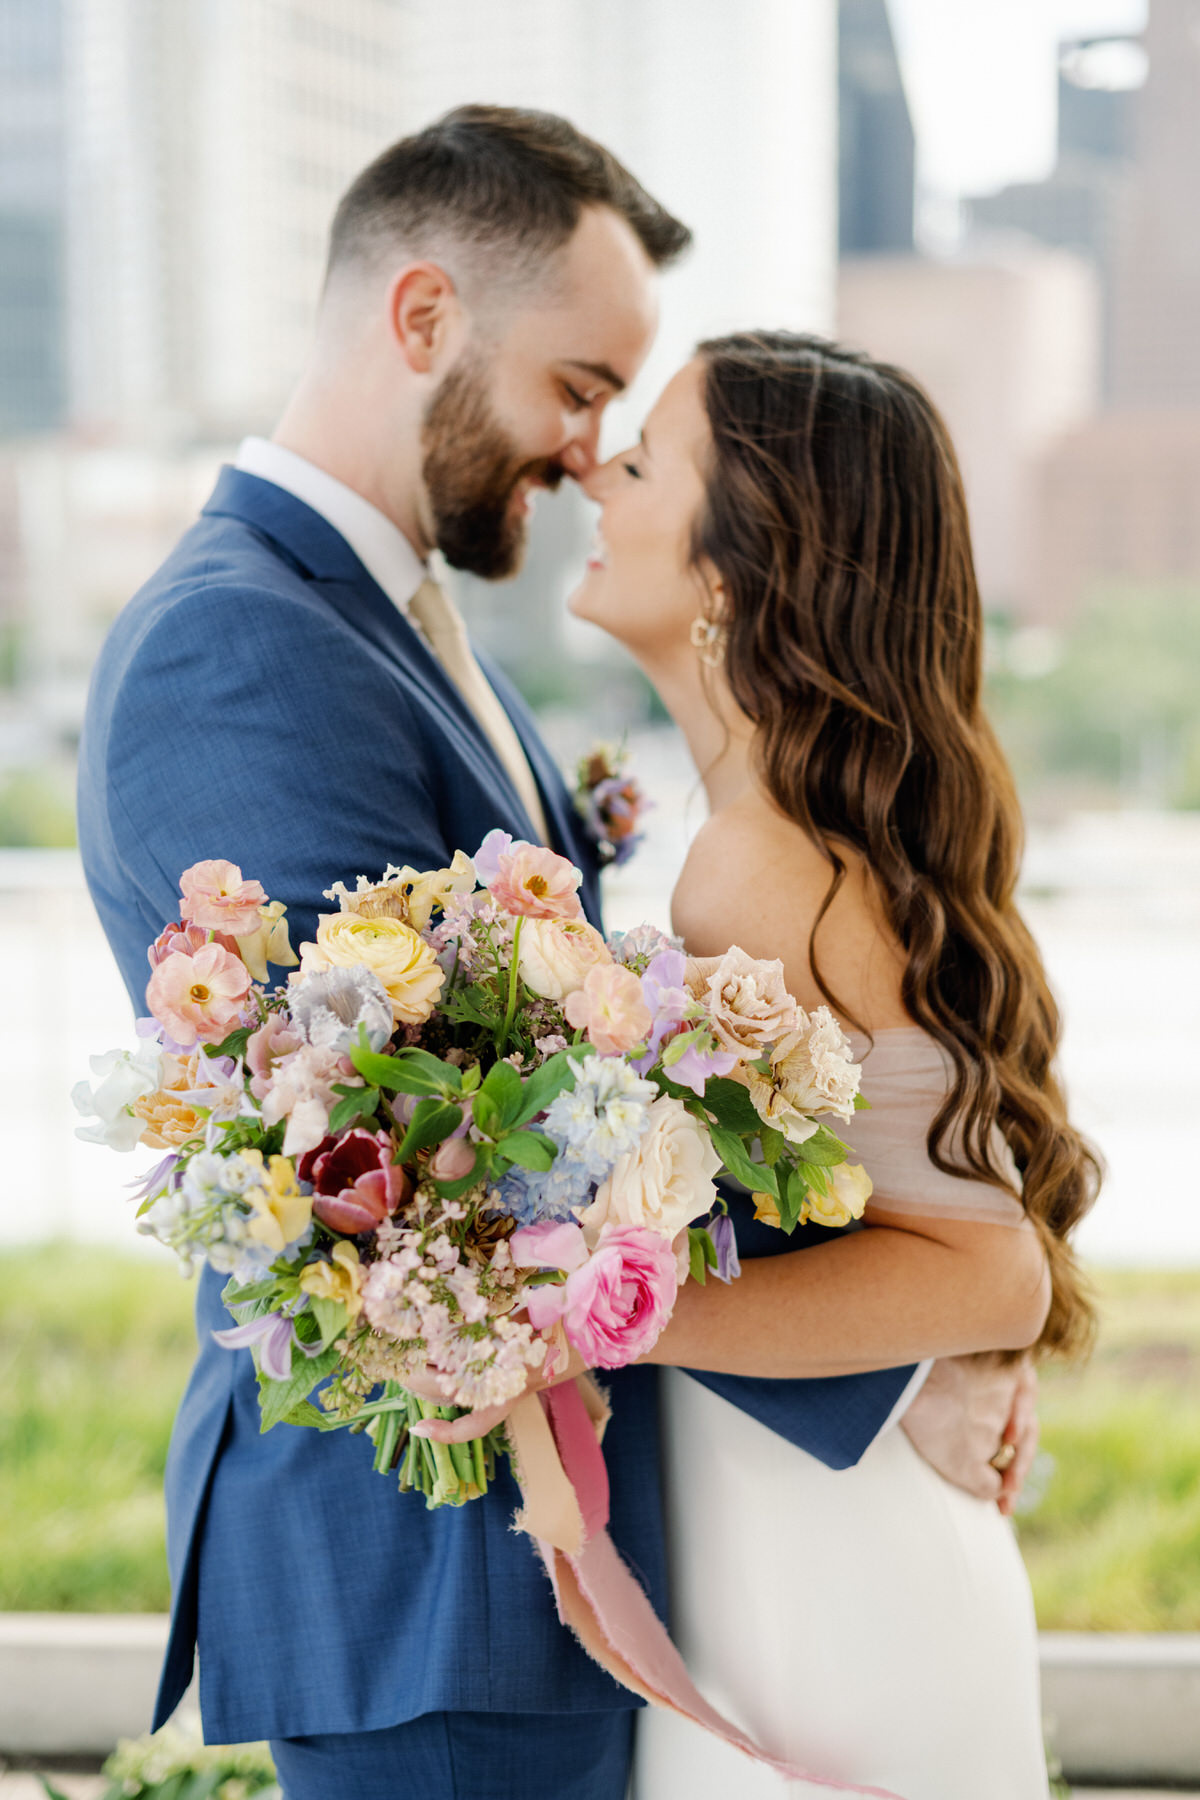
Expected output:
(556, 955)
(665, 1181)
(851, 1188)
(392, 950)
(745, 999)
(812, 1070)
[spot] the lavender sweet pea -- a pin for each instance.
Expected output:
(274, 1333)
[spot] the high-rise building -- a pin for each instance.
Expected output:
(876, 143)
(1077, 207)
(1156, 297)
(32, 217)
(1007, 347)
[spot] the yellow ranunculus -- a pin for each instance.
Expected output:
(269, 942)
(281, 1212)
(339, 1280)
(851, 1189)
(392, 950)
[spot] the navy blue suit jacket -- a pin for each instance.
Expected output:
(262, 699)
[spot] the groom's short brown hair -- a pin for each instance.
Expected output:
(506, 184)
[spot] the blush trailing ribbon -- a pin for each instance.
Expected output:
(555, 1437)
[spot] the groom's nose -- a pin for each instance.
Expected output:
(578, 456)
(595, 482)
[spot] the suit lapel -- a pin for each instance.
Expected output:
(323, 555)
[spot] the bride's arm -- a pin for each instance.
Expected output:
(896, 1292)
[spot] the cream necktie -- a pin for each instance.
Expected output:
(442, 623)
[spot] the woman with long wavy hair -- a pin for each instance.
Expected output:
(787, 554)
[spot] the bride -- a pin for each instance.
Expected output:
(786, 553)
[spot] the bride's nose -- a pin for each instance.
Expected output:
(597, 483)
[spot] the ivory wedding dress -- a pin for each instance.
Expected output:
(873, 1625)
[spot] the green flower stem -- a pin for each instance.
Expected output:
(513, 983)
(477, 1459)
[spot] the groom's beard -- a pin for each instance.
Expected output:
(471, 471)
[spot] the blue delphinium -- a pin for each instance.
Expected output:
(590, 1126)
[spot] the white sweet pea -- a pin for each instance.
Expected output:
(124, 1076)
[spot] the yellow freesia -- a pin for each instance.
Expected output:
(339, 1280)
(766, 1208)
(281, 1212)
(269, 942)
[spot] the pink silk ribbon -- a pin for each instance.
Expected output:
(564, 1485)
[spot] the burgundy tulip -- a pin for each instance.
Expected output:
(355, 1182)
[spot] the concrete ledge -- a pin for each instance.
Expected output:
(1118, 1707)
(71, 1684)
(1123, 1706)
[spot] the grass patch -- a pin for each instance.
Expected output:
(1114, 1544)
(95, 1348)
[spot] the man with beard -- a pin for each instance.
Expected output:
(293, 691)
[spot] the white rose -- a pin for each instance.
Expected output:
(124, 1077)
(556, 955)
(665, 1181)
(812, 1071)
(851, 1189)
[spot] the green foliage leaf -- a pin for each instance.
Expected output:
(702, 1253)
(471, 1077)
(504, 1088)
(737, 1159)
(408, 1072)
(356, 1103)
(730, 1104)
(773, 1144)
(823, 1148)
(305, 1413)
(331, 1317)
(528, 1148)
(545, 1085)
(276, 1399)
(486, 1114)
(793, 1191)
(432, 1121)
(233, 1045)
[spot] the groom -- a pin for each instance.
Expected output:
(293, 691)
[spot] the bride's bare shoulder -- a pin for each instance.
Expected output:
(753, 878)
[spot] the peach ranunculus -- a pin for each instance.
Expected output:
(170, 1119)
(189, 939)
(406, 893)
(533, 882)
(665, 1181)
(746, 1000)
(198, 998)
(216, 897)
(404, 963)
(611, 1009)
(556, 955)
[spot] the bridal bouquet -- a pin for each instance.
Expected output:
(466, 1134)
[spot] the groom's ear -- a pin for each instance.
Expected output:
(426, 316)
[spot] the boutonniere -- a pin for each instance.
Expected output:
(610, 801)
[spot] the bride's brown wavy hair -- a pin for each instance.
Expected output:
(853, 636)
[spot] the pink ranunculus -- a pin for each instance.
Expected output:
(198, 997)
(355, 1182)
(614, 1307)
(536, 883)
(216, 897)
(548, 1245)
(188, 938)
(611, 1008)
(267, 1048)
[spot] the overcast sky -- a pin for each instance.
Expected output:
(981, 81)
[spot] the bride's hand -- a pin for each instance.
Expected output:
(477, 1424)
(970, 1407)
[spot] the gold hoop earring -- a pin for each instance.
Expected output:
(708, 637)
